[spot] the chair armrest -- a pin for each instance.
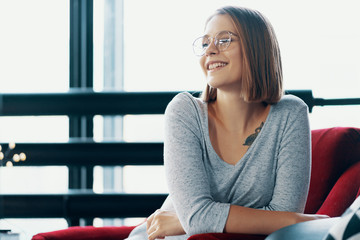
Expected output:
(343, 194)
(85, 233)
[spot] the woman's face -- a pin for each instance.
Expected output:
(222, 69)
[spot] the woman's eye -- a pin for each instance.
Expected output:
(224, 41)
(204, 45)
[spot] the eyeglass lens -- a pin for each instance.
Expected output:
(222, 41)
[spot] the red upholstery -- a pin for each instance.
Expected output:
(86, 233)
(334, 151)
(335, 184)
(346, 189)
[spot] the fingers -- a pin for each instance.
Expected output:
(151, 218)
(163, 223)
(149, 221)
(155, 234)
(152, 227)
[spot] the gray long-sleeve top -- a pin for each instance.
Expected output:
(274, 173)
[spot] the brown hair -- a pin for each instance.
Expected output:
(261, 62)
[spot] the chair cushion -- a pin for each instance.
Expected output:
(334, 150)
(345, 191)
(86, 233)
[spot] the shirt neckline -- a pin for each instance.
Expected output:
(243, 158)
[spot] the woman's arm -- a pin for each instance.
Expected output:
(257, 221)
(252, 221)
(293, 164)
(291, 183)
(186, 174)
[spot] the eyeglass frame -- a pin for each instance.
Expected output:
(216, 42)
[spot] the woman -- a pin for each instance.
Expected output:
(237, 160)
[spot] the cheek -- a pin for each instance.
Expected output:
(236, 64)
(202, 65)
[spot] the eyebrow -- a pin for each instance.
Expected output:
(207, 35)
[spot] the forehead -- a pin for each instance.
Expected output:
(218, 23)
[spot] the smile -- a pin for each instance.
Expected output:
(213, 66)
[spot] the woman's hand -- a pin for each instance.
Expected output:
(163, 223)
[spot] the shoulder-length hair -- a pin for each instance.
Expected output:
(261, 76)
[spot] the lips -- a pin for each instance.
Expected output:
(215, 65)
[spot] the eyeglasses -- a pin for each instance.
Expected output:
(222, 41)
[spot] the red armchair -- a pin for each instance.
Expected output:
(335, 184)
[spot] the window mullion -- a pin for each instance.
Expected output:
(81, 77)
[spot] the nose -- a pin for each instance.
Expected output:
(211, 49)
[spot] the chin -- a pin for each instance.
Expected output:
(213, 82)
(221, 84)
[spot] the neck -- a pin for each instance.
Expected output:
(231, 111)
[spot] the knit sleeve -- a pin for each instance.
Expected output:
(186, 176)
(294, 162)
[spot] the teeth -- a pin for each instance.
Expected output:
(216, 65)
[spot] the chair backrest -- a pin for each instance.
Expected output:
(335, 180)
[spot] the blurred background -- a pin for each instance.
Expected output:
(142, 45)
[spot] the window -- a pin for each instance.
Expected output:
(34, 57)
(34, 46)
(142, 45)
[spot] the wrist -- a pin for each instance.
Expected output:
(297, 218)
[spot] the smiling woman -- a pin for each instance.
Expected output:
(220, 176)
(319, 52)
